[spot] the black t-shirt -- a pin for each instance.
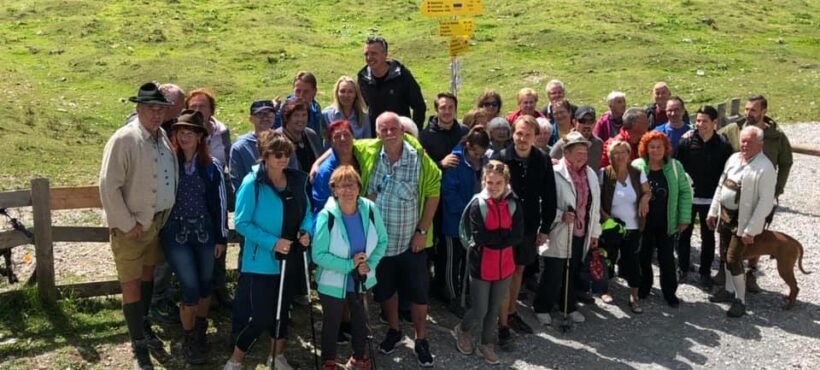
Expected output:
(658, 205)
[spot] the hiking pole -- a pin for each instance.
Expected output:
(369, 337)
(565, 325)
(281, 289)
(310, 307)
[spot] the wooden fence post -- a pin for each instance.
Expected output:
(43, 241)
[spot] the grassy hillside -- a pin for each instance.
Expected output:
(67, 66)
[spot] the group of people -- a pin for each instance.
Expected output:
(363, 196)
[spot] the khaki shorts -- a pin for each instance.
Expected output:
(130, 255)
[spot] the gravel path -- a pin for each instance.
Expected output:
(696, 335)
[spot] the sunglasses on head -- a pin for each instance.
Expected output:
(488, 104)
(500, 167)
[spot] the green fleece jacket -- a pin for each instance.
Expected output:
(776, 147)
(679, 204)
(367, 152)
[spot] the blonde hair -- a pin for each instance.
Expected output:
(617, 144)
(343, 174)
(497, 167)
(525, 92)
(358, 104)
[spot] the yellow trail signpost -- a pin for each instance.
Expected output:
(459, 30)
(449, 8)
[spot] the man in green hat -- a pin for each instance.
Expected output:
(138, 181)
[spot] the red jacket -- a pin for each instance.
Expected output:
(624, 136)
(491, 257)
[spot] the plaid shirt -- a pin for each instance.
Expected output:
(397, 188)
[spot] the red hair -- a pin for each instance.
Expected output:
(204, 155)
(643, 147)
(334, 126)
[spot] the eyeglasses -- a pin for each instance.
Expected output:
(488, 104)
(279, 155)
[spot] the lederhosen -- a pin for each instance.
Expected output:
(731, 247)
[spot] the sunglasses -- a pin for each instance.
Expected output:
(488, 104)
(495, 167)
(279, 155)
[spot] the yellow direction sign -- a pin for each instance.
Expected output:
(458, 45)
(446, 8)
(456, 28)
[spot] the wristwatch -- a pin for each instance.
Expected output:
(421, 231)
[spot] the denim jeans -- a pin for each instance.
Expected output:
(189, 249)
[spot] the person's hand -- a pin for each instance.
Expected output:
(747, 239)
(277, 103)
(219, 250)
(359, 258)
(450, 161)
(711, 222)
(304, 240)
(282, 246)
(593, 243)
(363, 269)
(688, 134)
(643, 207)
(568, 218)
(682, 227)
(418, 242)
(313, 171)
(135, 232)
(541, 239)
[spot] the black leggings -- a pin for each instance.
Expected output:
(657, 238)
(332, 309)
(625, 252)
(551, 285)
(262, 294)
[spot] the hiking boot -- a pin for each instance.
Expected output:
(505, 339)
(354, 364)
(423, 353)
(737, 309)
(231, 365)
(151, 338)
(751, 282)
(200, 332)
(518, 324)
(329, 365)
(388, 345)
(577, 317)
(142, 355)
(464, 342)
(544, 318)
(487, 352)
(722, 296)
(192, 353)
(278, 363)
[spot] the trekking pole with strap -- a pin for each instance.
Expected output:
(369, 337)
(310, 307)
(565, 325)
(282, 271)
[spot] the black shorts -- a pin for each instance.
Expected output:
(524, 253)
(406, 274)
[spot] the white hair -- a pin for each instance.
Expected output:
(544, 124)
(614, 95)
(172, 92)
(409, 126)
(555, 82)
(757, 131)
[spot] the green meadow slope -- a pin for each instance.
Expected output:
(66, 66)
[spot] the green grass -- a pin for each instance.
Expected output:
(67, 66)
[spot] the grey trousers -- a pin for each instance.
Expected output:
(485, 303)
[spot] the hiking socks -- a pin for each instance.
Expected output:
(740, 287)
(146, 292)
(133, 319)
(728, 281)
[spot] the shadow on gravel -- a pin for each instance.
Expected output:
(795, 212)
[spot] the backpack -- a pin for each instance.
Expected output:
(465, 231)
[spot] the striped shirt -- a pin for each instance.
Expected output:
(396, 187)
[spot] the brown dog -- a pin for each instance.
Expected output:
(786, 250)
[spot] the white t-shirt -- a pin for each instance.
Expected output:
(623, 203)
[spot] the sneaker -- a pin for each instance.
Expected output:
(151, 338)
(505, 340)
(737, 309)
(751, 282)
(231, 365)
(577, 317)
(354, 364)
(278, 363)
(722, 296)
(518, 324)
(388, 345)
(464, 342)
(423, 353)
(487, 352)
(142, 355)
(329, 365)
(544, 318)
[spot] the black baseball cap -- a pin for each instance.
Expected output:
(261, 106)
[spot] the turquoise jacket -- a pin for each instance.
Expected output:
(258, 218)
(331, 247)
(679, 204)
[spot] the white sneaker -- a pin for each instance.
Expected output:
(544, 318)
(577, 317)
(279, 363)
(231, 365)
